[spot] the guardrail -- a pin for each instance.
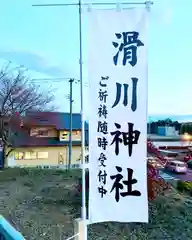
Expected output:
(8, 232)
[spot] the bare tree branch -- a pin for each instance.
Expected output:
(19, 95)
(9, 152)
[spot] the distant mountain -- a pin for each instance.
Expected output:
(179, 118)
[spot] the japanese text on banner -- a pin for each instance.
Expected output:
(118, 96)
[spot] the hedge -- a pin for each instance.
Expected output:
(185, 187)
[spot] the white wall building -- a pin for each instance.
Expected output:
(167, 131)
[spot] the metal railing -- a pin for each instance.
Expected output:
(71, 237)
(8, 232)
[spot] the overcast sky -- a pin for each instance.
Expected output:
(45, 40)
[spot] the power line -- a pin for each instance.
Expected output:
(54, 80)
(85, 85)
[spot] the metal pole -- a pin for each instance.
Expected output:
(147, 3)
(84, 208)
(94, 4)
(71, 122)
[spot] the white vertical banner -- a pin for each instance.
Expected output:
(117, 65)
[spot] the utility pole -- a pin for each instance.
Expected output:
(70, 97)
(71, 122)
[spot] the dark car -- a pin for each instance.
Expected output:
(189, 163)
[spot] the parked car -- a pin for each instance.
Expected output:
(176, 166)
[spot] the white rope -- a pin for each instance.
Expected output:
(73, 236)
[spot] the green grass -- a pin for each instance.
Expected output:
(43, 204)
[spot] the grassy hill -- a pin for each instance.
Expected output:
(43, 204)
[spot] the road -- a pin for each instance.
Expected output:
(169, 175)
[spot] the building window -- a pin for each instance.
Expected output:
(30, 155)
(39, 133)
(63, 135)
(42, 155)
(19, 155)
(43, 133)
(33, 132)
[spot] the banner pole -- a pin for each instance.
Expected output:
(148, 4)
(94, 4)
(84, 209)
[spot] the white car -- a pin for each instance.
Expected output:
(176, 166)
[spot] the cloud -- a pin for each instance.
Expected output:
(33, 62)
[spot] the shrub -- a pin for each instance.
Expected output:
(184, 187)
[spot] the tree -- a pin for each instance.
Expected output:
(154, 127)
(186, 128)
(182, 130)
(190, 129)
(168, 121)
(177, 125)
(17, 96)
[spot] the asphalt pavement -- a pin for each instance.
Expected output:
(167, 175)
